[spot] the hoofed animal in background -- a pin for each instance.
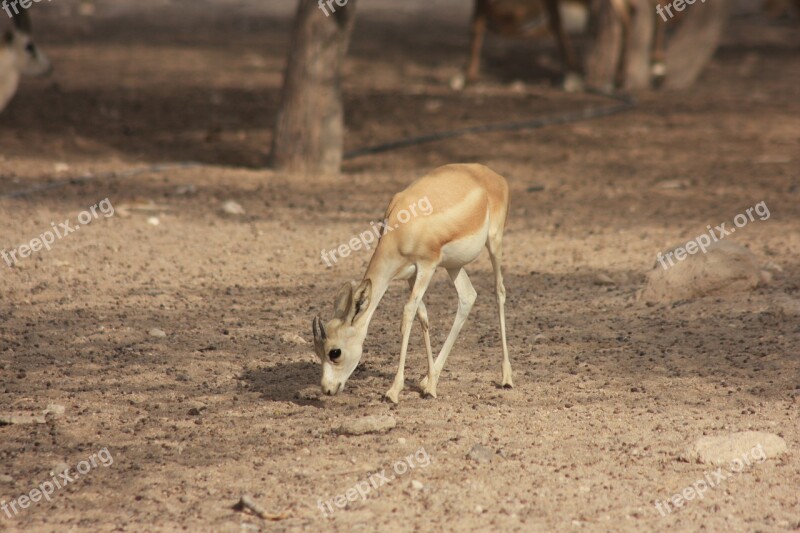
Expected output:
(531, 18)
(469, 205)
(19, 56)
(528, 18)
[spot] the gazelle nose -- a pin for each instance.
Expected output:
(331, 391)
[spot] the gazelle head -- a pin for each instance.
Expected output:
(28, 59)
(339, 342)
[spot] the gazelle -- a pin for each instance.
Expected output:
(469, 208)
(19, 56)
(528, 18)
(531, 18)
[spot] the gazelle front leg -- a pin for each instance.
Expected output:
(466, 298)
(424, 275)
(422, 316)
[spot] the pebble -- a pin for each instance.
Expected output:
(232, 208)
(293, 338)
(368, 424)
(480, 454)
(158, 333)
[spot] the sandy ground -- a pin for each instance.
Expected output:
(609, 391)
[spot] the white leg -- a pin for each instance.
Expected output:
(495, 246)
(466, 298)
(424, 275)
(422, 316)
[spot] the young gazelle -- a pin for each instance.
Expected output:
(469, 208)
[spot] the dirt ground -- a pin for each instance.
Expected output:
(609, 391)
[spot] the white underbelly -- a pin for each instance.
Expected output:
(462, 251)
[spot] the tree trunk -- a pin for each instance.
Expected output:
(603, 57)
(309, 131)
(638, 69)
(695, 42)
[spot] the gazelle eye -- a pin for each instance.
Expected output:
(334, 354)
(30, 48)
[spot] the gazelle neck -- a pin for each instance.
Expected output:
(380, 272)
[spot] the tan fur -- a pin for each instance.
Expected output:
(460, 196)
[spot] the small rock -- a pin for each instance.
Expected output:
(60, 167)
(673, 184)
(308, 394)
(786, 305)
(232, 208)
(416, 485)
(401, 441)
(368, 424)
(432, 106)
(153, 221)
(7, 420)
(541, 337)
(293, 338)
(6, 479)
(60, 467)
(478, 509)
(185, 190)
(458, 82)
(723, 449)
(480, 454)
(155, 332)
(603, 280)
(55, 409)
(517, 86)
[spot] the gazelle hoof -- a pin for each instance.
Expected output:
(428, 393)
(392, 396)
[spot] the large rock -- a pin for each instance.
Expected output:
(725, 268)
(755, 446)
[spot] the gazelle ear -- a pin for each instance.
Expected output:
(361, 297)
(343, 301)
(319, 336)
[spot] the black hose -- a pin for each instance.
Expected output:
(625, 103)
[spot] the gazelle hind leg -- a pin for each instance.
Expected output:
(495, 245)
(423, 278)
(422, 316)
(466, 298)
